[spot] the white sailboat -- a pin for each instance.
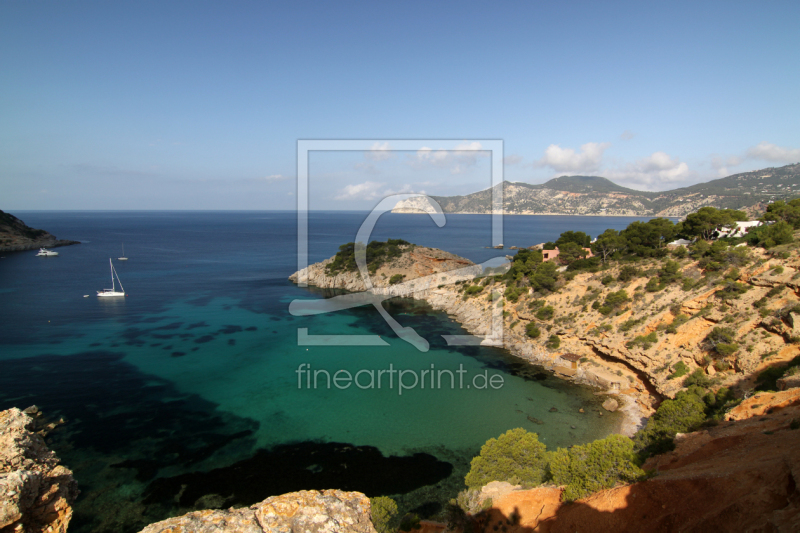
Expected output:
(113, 290)
(123, 258)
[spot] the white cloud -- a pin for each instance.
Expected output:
(654, 169)
(275, 177)
(770, 152)
(512, 160)
(369, 190)
(587, 160)
(458, 159)
(627, 135)
(379, 152)
(723, 164)
(372, 190)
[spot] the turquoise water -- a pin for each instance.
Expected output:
(192, 379)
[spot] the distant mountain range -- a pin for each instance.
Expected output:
(594, 195)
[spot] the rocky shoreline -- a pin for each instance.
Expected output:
(16, 236)
(438, 289)
(39, 243)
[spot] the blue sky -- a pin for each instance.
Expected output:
(199, 105)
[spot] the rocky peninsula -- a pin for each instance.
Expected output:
(635, 352)
(16, 236)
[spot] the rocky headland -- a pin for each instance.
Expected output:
(16, 236)
(637, 352)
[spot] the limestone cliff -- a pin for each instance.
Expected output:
(36, 493)
(16, 236)
(642, 348)
(307, 511)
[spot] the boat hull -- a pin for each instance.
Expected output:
(109, 294)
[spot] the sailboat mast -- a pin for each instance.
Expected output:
(112, 273)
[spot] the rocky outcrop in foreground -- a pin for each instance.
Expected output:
(16, 236)
(307, 511)
(738, 476)
(36, 493)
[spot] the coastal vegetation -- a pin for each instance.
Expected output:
(377, 253)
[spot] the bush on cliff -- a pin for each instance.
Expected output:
(532, 330)
(376, 253)
(383, 512)
(683, 414)
(516, 456)
(595, 466)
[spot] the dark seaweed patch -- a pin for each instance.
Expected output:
(204, 338)
(228, 330)
(178, 354)
(305, 465)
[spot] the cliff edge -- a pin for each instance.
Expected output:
(36, 493)
(738, 476)
(306, 511)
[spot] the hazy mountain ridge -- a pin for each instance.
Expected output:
(595, 195)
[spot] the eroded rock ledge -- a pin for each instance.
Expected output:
(306, 511)
(36, 493)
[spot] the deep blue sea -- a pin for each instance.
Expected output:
(185, 394)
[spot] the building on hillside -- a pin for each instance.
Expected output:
(740, 230)
(569, 360)
(549, 255)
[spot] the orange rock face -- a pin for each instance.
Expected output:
(738, 476)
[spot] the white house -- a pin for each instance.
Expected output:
(740, 230)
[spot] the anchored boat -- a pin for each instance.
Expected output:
(113, 290)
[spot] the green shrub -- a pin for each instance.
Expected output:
(397, 278)
(553, 342)
(607, 280)
(683, 414)
(679, 320)
(628, 273)
(383, 512)
(471, 290)
(645, 341)
(536, 304)
(698, 378)
(598, 465)
(532, 330)
(721, 340)
(777, 270)
(679, 252)
(516, 456)
(512, 294)
(629, 324)
(680, 370)
(376, 252)
(653, 285)
(409, 522)
(545, 313)
(732, 290)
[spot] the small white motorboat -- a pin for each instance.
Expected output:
(113, 290)
(44, 252)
